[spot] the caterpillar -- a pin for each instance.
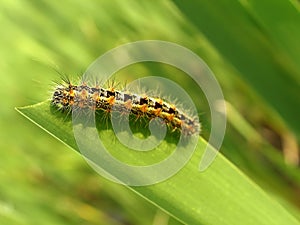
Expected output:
(66, 96)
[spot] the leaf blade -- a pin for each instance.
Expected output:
(220, 195)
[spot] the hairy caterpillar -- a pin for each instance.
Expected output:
(66, 96)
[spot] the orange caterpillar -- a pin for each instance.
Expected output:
(66, 96)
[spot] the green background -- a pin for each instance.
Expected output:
(251, 46)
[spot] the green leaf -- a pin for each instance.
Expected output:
(220, 195)
(260, 40)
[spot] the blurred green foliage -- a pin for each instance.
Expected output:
(251, 47)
